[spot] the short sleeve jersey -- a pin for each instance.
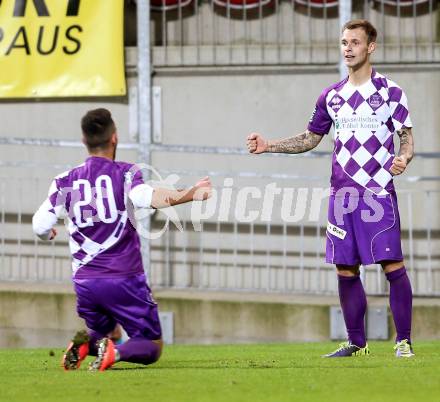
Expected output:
(94, 197)
(365, 118)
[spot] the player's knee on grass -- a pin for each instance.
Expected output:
(152, 354)
(159, 343)
(348, 270)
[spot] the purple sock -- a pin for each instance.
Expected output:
(94, 337)
(401, 302)
(139, 350)
(354, 305)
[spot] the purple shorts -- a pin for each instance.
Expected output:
(104, 302)
(363, 229)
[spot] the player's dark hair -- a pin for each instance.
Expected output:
(367, 26)
(97, 126)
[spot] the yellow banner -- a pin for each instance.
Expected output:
(61, 48)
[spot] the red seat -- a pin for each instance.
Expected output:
(318, 3)
(160, 5)
(401, 3)
(242, 4)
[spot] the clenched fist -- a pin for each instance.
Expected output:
(399, 165)
(256, 144)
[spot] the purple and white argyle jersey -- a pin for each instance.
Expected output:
(93, 198)
(365, 118)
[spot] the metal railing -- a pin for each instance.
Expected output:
(269, 255)
(277, 32)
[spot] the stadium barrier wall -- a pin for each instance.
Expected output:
(33, 315)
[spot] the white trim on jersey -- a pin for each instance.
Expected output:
(48, 214)
(44, 220)
(92, 248)
(141, 196)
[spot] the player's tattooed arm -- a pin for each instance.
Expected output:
(297, 144)
(406, 143)
(406, 151)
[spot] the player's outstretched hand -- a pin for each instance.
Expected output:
(53, 234)
(202, 189)
(256, 143)
(399, 165)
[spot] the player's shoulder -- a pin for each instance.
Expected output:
(124, 165)
(127, 168)
(388, 88)
(62, 175)
(336, 87)
(63, 178)
(384, 81)
(130, 171)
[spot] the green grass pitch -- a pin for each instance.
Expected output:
(242, 373)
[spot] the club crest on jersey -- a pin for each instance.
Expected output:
(375, 101)
(336, 103)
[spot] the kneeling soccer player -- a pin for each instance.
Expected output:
(108, 273)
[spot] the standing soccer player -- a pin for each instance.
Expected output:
(366, 109)
(108, 273)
